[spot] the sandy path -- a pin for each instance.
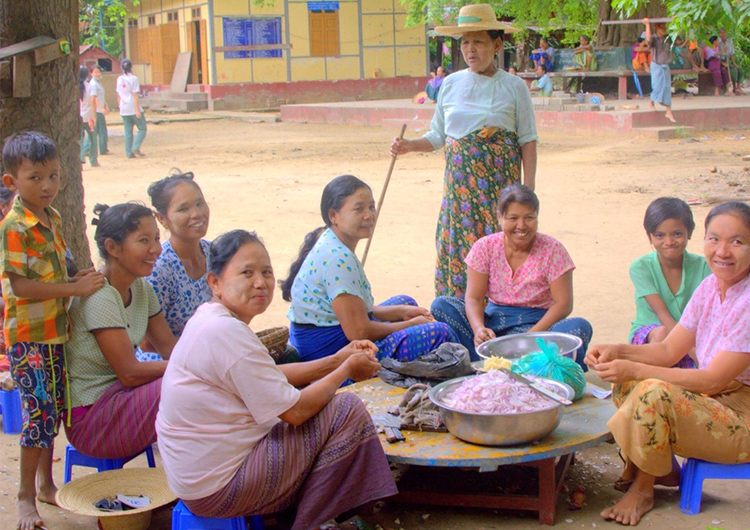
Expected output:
(268, 177)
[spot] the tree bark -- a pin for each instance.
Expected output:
(53, 106)
(626, 34)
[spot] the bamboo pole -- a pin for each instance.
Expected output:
(635, 21)
(382, 197)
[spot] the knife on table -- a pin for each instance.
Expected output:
(537, 387)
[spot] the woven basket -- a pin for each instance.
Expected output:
(275, 340)
(79, 496)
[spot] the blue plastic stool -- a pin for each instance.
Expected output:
(10, 405)
(183, 519)
(695, 471)
(75, 458)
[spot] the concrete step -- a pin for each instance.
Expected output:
(189, 101)
(664, 133)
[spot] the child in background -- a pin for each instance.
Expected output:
(641, 55)
(543, 85)
(35, 288)
(666, 278)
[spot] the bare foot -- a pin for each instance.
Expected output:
(670, 116)
(651, 105)
(28, 517)
(630, 508)
(47, 495)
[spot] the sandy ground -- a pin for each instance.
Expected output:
(268, 177)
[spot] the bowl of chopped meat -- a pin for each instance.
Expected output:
(495, 409)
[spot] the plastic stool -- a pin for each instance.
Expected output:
(695, 471)
(183, 519)
(75, 458)
(10, 405)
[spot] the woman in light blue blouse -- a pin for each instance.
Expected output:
(179, 276)
(332, 302)
(485, 120)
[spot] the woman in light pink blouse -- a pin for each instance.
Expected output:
(699, 413)
(527, 276)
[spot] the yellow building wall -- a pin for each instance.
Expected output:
(373, 40)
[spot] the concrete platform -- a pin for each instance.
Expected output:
(613, 117)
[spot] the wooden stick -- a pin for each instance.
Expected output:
(382, 197)
(634, 21)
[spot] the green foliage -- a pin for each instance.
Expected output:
(104, 21)
(699, 18)
(577, 16)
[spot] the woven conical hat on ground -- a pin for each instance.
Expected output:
(79, 496)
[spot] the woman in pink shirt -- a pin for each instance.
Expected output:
(239, 435)
(699, 413)
(527, 276)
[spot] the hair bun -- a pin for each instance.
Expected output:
(99, 210)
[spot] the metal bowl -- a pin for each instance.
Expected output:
(516, 346)
(498, 429)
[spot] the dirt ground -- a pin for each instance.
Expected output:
(269, 176)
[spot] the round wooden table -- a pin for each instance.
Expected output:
(584, 425)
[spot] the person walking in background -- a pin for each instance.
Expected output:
(87, 104)
(128, 89)
(101, 109)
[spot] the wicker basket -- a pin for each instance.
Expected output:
(275, 340)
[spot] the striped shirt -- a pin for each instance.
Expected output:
(35, 251)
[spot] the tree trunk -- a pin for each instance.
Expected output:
(53, 106)
(625, 34)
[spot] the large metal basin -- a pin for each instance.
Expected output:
(498, 429)
(516, 346)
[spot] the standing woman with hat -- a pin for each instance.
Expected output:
(128, 89)
(485, 119)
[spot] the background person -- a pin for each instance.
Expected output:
(485, 119)
(719, 71)
(661, 76)
(729, 58)
(264, 445)
(101, 109)
(527, 277)
(543, 56)
(698, 413)
(87, 104)
(128, 90)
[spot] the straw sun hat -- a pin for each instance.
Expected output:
(476, 17)
(79, 496)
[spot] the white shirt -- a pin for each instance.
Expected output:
(220, 395)
(86, 110)
(98, 90)
(127, 85)
(468, 101)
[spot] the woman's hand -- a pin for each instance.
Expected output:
(483, 335)
(418, 321)
(414, 311)
(602, 353)
(646, 21)
(618, 371)
(362, 365)
(356, 346)
(400, 146)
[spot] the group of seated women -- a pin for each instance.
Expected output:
(228, 417)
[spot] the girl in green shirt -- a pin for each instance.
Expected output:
(665, 279)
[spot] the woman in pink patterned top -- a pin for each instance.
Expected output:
(527, 276)
(703, 413)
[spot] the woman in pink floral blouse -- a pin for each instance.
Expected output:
(699, 413)
(527, 276)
